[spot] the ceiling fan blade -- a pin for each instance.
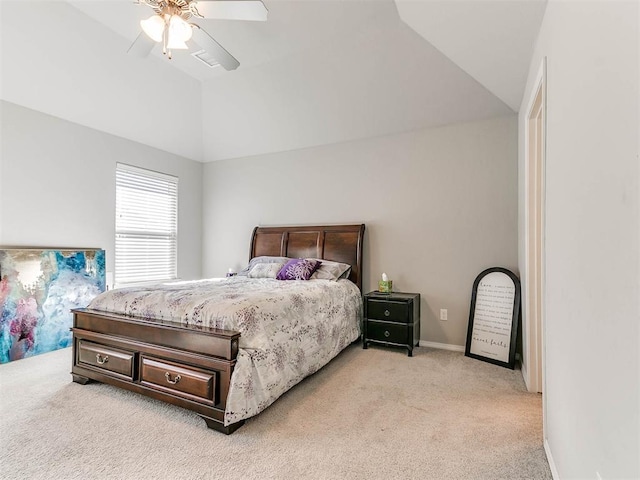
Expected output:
(141, 46)
(232, 9)
(206, 41)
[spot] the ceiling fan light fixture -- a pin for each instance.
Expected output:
(153, 27)
(179, 30)
(170, 27)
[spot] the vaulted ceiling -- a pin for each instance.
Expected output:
(317, 72)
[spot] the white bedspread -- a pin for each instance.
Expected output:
(289, 329)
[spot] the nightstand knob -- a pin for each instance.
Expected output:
(387, 313)
(386, 333)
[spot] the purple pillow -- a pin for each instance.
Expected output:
(298, 269)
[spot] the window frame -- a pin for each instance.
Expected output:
(146, 184)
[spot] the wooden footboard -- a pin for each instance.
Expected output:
(187, 366)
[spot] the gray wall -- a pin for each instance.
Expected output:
(57, 186)
(440, 205)
(591, 324)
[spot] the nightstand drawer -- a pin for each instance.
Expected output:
(105, 358)
(388, 311)
(179, 379)
(387, 332)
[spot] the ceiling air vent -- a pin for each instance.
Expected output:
(206, 58)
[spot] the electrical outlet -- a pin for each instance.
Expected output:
(598, 476)
(443, 314)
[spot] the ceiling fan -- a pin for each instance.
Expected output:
(170, 26)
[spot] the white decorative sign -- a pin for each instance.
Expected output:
(494, 317)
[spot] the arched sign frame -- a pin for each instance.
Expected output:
(487, 336)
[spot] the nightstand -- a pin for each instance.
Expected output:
(391, 319)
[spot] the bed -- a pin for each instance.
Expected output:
(221, 359)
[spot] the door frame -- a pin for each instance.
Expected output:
(534, 354)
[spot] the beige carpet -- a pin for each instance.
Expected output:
(369, 414)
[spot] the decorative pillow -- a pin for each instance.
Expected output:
(298, 269)
(329, 270)
(265, 270)
(263, 259)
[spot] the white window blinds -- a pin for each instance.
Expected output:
(146, 225)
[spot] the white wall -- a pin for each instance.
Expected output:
(385, 80)
(440, 205)
(592, 333)
(59, 61)
(58, 186)
(503, 34)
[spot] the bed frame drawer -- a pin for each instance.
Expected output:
(107, 358)
(186, 381)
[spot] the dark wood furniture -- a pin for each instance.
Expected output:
(392, 319)
(340, 243)
(191, 366)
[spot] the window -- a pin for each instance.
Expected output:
(146, 225)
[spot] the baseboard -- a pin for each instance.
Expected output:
(442, 346)
(552, 464)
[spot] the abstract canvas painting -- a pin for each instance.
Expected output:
(38, 289)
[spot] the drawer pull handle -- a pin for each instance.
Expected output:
(101, 360)
(167, 375)
(386, 333)
(387, 313)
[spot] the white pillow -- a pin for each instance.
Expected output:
(329, 270)
(265, 270)
(263, 259)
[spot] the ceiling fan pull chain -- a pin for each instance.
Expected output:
(164, 42)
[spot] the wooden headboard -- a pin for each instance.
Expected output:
(340, 243)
